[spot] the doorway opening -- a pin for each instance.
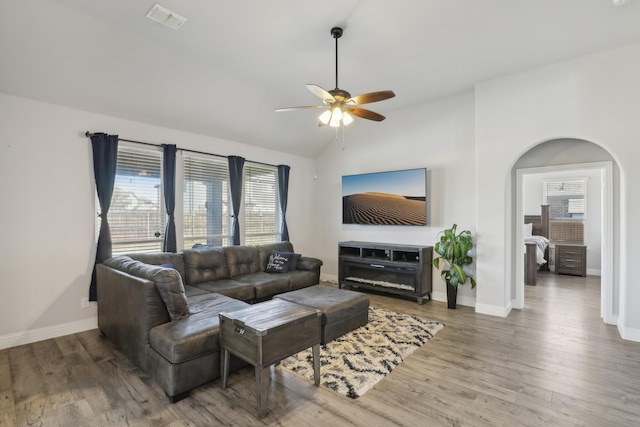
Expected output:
(601, 177)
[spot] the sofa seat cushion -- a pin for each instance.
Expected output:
(266, 285)
(193, 291)
(196, 334)
(299, 279)
(205, 264)
(229, 287)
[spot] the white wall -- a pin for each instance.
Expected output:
(48, 210)
(593, 98)
(437, 136)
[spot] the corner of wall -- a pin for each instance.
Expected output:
(494, 310)
(630, 334)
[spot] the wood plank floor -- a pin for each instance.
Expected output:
(553, 363)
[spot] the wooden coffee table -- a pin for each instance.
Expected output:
(266, 333)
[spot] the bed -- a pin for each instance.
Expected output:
(536, 241)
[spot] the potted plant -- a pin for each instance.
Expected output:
(453, 249)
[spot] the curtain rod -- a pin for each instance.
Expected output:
(89, 134)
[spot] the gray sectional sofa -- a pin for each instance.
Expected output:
(162, 309)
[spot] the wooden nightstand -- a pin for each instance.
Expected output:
(571, 259)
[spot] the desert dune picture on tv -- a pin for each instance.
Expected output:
(385, 198)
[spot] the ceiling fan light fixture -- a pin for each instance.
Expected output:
(346, 118)
(325, 117)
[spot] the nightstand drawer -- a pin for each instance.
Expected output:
(571, 259)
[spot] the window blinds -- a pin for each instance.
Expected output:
(206, 201)
(261, 216)
(137, 214)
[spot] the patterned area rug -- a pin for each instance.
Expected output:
(355, 362)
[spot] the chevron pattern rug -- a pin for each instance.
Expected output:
(355, 362)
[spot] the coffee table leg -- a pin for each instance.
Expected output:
(224, 367)
(262, 389)
(316, 363)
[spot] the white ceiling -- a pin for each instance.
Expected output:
(234, 61)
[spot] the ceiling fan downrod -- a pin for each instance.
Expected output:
(336, 32)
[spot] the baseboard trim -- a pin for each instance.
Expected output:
(630, 334)
(494, 310)
(41, 334)
(329, 277)
(460, 300)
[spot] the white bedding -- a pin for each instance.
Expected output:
(541, 244)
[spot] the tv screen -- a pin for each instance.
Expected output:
(385, 198)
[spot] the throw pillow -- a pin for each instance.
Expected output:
(294, 261)
(527, 230)
(278, 262)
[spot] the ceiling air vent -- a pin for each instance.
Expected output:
(166, 17)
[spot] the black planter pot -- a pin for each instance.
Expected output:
(452, 296)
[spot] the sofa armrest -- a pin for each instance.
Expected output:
(309, 264)
(128, 307)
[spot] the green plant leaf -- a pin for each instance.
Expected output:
(453, 256)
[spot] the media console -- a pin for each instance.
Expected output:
(396, 269)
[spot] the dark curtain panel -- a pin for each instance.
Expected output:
(236, 163)
(283, 190)
(105, 156)
(169, 185)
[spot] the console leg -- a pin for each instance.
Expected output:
(262, 389)
(224, 367)
(316, 364)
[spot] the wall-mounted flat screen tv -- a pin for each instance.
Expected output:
(385, 198)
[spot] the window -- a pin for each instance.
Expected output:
(567, 204)
(137, 214)
(206, 201)
(261, 217)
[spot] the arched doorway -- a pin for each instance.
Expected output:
(564, 156)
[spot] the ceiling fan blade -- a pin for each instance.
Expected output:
(365, 114)
(321, 93)
(368, 98)
(306, 107)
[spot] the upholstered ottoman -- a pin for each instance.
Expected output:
(342, 310)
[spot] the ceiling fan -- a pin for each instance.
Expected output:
(339, 105)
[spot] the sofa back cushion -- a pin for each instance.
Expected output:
(205, 264)
(242, 260)
(266, 249)
(167, 281)
(164, 259)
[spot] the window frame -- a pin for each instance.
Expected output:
(124, 246)
(262, 236)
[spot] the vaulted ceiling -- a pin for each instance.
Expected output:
(234, 61)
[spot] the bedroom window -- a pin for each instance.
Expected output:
(567, 209)
(137, 214)
(206, 200)
(261, 215)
